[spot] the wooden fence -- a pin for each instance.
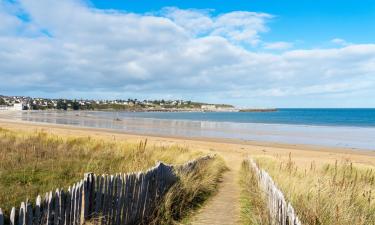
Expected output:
(106, 199)
(281, 211)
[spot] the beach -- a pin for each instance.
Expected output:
(259, 127)
(231, 149)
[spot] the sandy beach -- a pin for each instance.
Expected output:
(230, 149)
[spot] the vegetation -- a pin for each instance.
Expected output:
(34, 163)
(2, 101)
(118, 104)
(253, 204)
(332, 194)
(190, 192)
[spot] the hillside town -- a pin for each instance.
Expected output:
(29, 103)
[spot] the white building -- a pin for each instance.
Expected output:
(16, 106)
(4, 107)
(208, 107)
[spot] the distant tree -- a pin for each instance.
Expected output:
(33, 106)
(61, 105)
(75, 105)
(2, 101)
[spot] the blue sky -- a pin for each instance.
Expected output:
(257, 53)
(311, 22)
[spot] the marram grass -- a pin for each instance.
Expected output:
(190, 192)
(34, 163)
(252, 199)
(342, 193)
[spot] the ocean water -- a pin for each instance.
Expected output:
(320, 117)
(349, 128)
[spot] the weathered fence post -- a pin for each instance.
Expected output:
(85, 197)
(56, 207)
(1, 217)
(117, 206)
(37, 210)
(105, 199)
(50, 209)
(13, 216)
(72, 205)
(22, 214)
(112, 214)
(67, 206)
(109, 200)
(62, 207)
(92, 196)
(79, 203)
(29, 214)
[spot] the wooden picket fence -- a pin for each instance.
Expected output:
(104, 199)
(281, 211)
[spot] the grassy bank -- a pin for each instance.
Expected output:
(190, 192)
(341, 193)
(33, 163)
(252, 199)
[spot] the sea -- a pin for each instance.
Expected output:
(349, 128)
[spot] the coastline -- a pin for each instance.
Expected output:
(358, 138)
(232, 150)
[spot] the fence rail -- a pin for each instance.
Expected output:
(281, 212)
(107, 199)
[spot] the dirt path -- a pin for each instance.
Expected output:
(223, 208)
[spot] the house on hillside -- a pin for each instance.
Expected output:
(4, 107)
(16, 107)
(208, 107)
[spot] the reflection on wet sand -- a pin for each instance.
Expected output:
(292, 134)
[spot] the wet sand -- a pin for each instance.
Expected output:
(332, 136)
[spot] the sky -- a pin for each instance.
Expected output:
(249, 53)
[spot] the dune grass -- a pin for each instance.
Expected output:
(34, 163)
(190, 192)
(253, 203)
(342, 193)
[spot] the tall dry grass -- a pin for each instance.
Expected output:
(252, 199)
(190, 192)
(34, 163)
(332, 194)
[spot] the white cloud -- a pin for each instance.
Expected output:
(96, 53)
(241, 26)
(237, 26)
(339, 41)
(278, 45)
(196, 22)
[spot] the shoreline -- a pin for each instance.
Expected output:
(27, 125)
(354, 138)
(76, 113)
